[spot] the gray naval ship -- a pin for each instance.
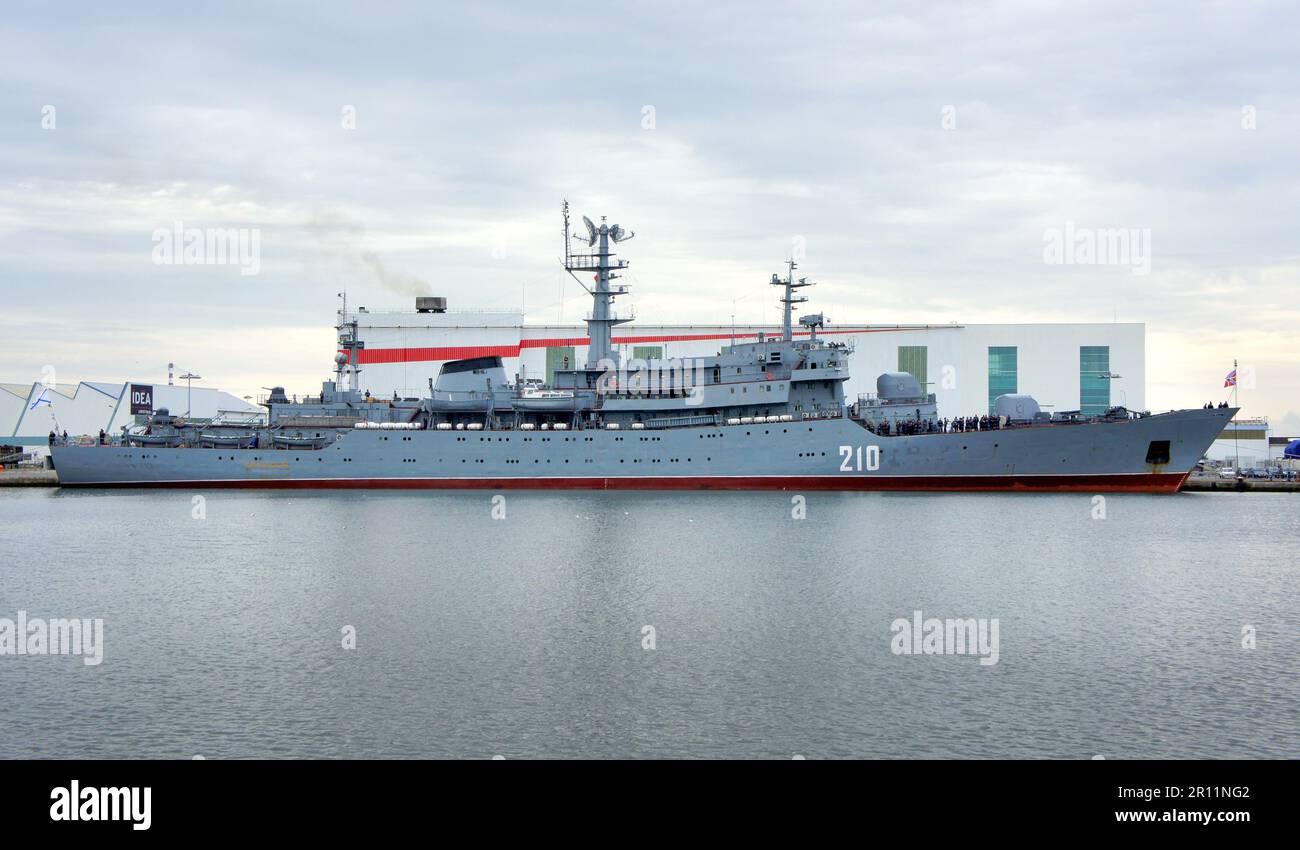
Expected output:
(770, 414)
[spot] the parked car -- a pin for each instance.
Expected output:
(1227, 472)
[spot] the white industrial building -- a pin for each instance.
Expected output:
(1085, 367)
(29, 412)
(1249, 443)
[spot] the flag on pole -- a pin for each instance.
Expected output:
(1231, 380)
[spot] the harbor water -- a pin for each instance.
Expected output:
(244, 624)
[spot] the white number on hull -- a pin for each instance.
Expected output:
(855, 460)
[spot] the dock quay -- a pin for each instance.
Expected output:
(1207, 483)
(29, 478)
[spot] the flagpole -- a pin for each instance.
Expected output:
(1236, 379)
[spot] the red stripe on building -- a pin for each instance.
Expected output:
(554, 342)
(461, 352)
(419, 355)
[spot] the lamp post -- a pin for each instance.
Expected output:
(734, 302)
(187, 378)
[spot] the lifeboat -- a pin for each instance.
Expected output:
(169, 441)
(297, 441)
(552, 401)
(228, 441)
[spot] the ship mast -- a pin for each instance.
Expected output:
(789, 299)
(601, 322)
(345, 362)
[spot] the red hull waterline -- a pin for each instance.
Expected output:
(1132, 483)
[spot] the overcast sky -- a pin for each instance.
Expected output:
(920, 151)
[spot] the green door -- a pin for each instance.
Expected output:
(914, 360)
(559, 357)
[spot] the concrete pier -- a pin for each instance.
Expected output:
(29, 478)
(1205, 483)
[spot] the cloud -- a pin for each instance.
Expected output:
(772, 122)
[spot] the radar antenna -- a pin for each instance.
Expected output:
(601, 322)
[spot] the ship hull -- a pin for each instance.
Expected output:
(1134, 483)
(824, 454)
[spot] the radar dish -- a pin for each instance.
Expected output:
(618, 234)
(591, 231)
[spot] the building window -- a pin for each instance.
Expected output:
(1003, 372)
(647, 352)
(1094, 378)
(914, 360)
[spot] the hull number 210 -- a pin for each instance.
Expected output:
(859, 459)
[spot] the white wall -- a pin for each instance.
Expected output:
(1251, 452)
(405, 330)
(1048, 362)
